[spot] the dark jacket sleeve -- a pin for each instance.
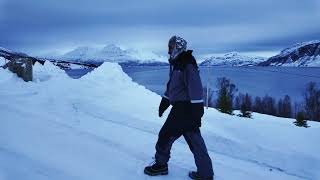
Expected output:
(194, 85)
(195, 90)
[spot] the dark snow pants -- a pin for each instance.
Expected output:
(173, 128)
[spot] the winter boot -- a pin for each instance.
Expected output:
(196, 176)
(156, 169)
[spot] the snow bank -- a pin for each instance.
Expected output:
(104, 126)
(119, 91)
(47, 71)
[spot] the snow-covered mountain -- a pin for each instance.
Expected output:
(232, 59)
(3, 61)
(103, 131)
(111, 53)
(6, 55)
(9, 54)
(306, 54)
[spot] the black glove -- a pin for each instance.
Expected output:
(165, 103)
(197, 110)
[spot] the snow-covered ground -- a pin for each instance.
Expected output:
(104, 126)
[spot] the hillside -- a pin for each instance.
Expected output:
(306, 54)
(232, 59)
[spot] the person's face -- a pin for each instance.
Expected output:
(171, 48)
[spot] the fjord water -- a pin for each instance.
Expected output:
(257, 81)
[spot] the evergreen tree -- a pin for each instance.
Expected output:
(268, 104)
(284, 107)
(257, 105)
(300, 120)
(246, 105)
(237, 103)
(226, 92)
(312, 102)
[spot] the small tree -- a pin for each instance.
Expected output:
(257, 105)
(246, 105)
(268, 104)
(312, 101)
(226, 92)
(237, 103)
(300, 120)
(284, 107)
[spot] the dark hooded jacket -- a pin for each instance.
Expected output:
(184, 83)
(184, 91)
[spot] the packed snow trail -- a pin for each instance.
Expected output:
(105, 126)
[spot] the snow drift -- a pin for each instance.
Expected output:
(104, 126)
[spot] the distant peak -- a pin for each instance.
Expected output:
(4, 49)
(297, 46)
(112, 46)
(82, 48)
(233, 52)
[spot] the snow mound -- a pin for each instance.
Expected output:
(47, 71)
(110, 80)
(109, 72)
(7, 77)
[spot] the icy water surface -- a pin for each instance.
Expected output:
(257, 81)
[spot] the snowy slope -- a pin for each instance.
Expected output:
(110, 53)
(97, 127)
(294, 48)
(232, 59)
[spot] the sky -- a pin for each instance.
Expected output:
(210, 26)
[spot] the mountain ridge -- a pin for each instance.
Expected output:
(306, 54)
(232, 59)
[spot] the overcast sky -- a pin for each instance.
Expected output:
(209, 26)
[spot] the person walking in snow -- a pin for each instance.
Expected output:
(184, 92)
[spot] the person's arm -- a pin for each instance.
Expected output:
(195, 90)
(165, 103)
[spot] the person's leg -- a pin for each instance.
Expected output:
(167, 135)
(165, 140)
(199, 150)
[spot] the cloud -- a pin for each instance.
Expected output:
(217, 26)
